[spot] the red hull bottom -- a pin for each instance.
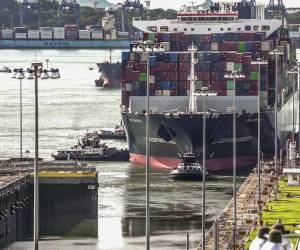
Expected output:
(244, 163)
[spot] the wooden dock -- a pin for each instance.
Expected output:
(220, 235)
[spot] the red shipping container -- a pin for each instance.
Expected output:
(214, 85)
(265, 55)
(253, 85)
(173, 67)
(238, 58)
(184, 84)
(163, 76)
(246, 60)
(254, 67)
(257, 46)
(206, 38)
(175, 37)
(173, 76)
(161, 67)
(203, 76)
(230, 56)
(222, 92)
(183, 57)
(183, 76)
(142, 67)
(183, 67)
(253, 92)
(247, 36)
(173, 92)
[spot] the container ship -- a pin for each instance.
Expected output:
(69, 36)
(228, 37)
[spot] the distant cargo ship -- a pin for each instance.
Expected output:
(64, 44)
(69, 36)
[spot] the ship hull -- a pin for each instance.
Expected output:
(169, 136)
(111, 74)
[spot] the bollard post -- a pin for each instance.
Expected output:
(187, 241)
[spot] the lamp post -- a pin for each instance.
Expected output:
(234, 75)
(147, 159)
(298, 87)
(204, 92)
(21, 76)
(276, 53)
(36, 69)
(293, 72)
(259, 62)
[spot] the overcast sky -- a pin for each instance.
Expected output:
(178, 3)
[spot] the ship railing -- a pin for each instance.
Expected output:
(297, 246)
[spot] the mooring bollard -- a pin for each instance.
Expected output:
(187, 241)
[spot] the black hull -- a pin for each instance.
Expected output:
(111, 74)
(186, 131)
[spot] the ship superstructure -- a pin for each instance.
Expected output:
(228, 37)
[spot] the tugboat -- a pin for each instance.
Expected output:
(90, 149)
(189, 168)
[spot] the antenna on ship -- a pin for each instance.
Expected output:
(192, 78)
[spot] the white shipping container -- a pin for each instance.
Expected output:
(266, 46)
(128, 87)
(84, 34)
(166, 92)
(230, 92)
(151, 79)
(7, 34)
(20, 35)
(46, 34)
(166, 46)
(144, 57)
(214, 46)
(97, 34)
(59, 35)
(45, 29)
(230, 66)
(294, 34)
(33, 34)
(158, 92)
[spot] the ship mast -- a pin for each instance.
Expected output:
(192, 78)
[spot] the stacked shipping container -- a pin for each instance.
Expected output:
(217, 55)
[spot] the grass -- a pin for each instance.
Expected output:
(286, 209)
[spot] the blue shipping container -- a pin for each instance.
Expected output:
(125, 56)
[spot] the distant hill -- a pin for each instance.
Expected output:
(101, 3)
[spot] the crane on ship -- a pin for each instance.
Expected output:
(26, 6)
(68, 5)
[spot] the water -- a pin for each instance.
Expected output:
(68, 107)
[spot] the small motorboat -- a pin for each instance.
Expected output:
(5, 70)
(189, 168)
(45, 74)
(54, 74)
(118, 132)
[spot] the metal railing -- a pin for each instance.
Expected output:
(297, 246)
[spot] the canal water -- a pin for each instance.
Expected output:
(72, 105)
